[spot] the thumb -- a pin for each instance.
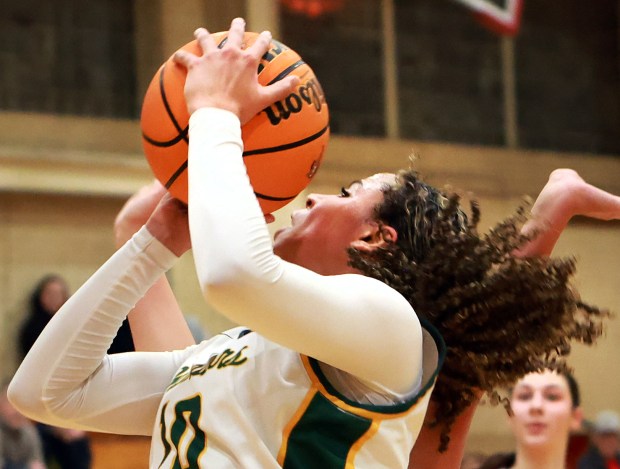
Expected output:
(280, 89)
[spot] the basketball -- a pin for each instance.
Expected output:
(283, 144)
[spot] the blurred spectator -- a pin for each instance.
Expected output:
(20, 446)
(45, 300)
(604, 450)
(48, 296)
(472, 460)
(63, 448)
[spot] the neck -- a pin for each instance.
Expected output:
(543, 457)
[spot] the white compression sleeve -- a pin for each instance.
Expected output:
(67, 379)
(351, 322)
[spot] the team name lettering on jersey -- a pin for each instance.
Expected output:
(216, 361)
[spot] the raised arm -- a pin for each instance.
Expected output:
(329, 318)
(157, 322)
(564, 196)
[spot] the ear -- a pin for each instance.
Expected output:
(577, 419)
(375, 236)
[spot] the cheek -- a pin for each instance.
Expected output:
(561, 416)
(338, 229)
(561, 411)
(519, 410)
(519, 416)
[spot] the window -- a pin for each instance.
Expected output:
(68, 57)
(344, 50)
(453, 81)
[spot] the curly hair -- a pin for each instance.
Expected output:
(501, 316)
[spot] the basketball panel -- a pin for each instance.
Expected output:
(279, 63)
(168, 166)
(162, 120)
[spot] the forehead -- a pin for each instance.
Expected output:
(542, 380)
(54, 284)
(378, 181)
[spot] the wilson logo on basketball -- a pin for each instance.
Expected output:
(309, 93)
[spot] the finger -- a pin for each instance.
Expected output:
(261, 45)
(153, 190)
(205, 40)
(157, 187)
(280, 89)
(184, 58)
(235, 33)
(269, 218)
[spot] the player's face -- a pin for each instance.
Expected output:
(320, 233)
(543, 411)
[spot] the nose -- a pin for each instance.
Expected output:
(311, 200)
(536, 403)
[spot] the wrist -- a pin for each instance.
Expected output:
(122, 234)
(210, 102)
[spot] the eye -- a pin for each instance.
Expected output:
(522, 396)
(344, 192)
(553, 397)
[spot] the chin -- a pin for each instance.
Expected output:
(537, 441)
(277, 234)
(283, 247)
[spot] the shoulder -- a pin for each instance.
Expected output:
(370, 289)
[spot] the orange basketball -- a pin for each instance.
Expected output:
(283, 144)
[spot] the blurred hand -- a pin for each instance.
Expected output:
(137, 211)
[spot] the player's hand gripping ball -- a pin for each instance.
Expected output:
(283, 144)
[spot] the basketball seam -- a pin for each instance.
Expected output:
(169, 143)
(260, 151)
(182, 135)
(286, 146)
(286, 71)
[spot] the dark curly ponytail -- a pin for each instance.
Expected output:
(501, 316)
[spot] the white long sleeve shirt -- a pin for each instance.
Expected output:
(314, 345)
